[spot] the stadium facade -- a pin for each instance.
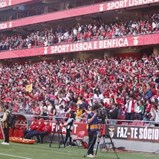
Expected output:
(26, 16)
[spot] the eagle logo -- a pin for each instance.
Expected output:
(136, 40)
(101, 7)
(111, 131)
(45, 50)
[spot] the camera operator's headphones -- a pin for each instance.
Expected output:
(95, 107)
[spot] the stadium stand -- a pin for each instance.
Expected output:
(124, 81)
(97, 30)
(109, 81)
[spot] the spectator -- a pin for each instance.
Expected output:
(79, 112)
(130, 108)
(95, 30)
(113, 113)
(108, 81)
(139, 110)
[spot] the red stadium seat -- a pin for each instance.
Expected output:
(80, 137)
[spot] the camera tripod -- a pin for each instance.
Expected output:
(97, 138)
(110, 143)
(58, 131)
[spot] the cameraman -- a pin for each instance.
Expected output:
(92, 126)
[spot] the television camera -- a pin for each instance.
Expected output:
(102, 113)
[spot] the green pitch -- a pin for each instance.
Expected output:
(42, 151)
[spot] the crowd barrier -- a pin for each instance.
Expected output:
(117, 129)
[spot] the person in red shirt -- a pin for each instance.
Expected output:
(38, 131)
(46, 130)
(32, 127)
(35, 128)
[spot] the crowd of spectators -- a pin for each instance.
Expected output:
(82, 32)
(127, 88)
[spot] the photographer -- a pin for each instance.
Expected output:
(5, 125)
(92, 126)
(68, 125)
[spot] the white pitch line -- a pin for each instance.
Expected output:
(3, 154)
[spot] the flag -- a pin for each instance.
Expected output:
(28, 88)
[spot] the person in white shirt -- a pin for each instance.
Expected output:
(69, 124)
(130, 108)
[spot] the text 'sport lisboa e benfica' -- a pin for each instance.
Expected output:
(125, 4)
(85, 46)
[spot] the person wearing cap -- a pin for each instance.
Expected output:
(5, 125)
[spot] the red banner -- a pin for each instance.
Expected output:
(76, 128)
(130, 41)
(74, 12)
(8, 3)
(112, 5)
